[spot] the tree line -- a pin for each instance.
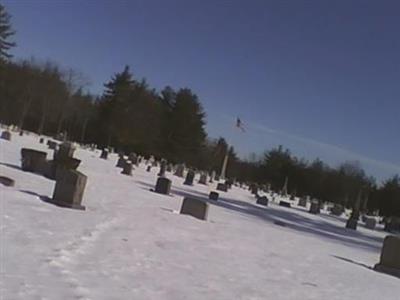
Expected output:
(132, 116)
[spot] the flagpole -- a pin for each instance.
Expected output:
(224, 164)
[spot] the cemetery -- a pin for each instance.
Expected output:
(88, 224)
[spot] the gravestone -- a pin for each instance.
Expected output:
(189, 178)
(41, 140)
(315, 207)
(392, 224)
(52, 144)
(203, 179)
(6, 135)
(302, 202)
(390, 258)
(284, 203)
(195, 208)
(213, 196)
(370, 222)
(127, 169)
(179, 170)
(222, 187)
(7, 181)
(212, 176)
(33, 160)
(254, 189)
(163, 168)
(121, 162)
(353, 220)
(21, 133)
(104, 154)
(133, 158)
(337, 210)
(163, 186)
(216, 177)
(65, 150)
(69, 188)
(148, 169)
(263, 200)
(169, 168)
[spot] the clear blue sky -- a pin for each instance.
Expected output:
(321, 77)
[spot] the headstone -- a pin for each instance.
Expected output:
(127, 169)
(121, 162)
(41, 140)
(179, 170)
(203, 179)
(148, 169)
(169, 168)
(390, 258)
(195, 207)
(189, 178)
(337, 210)
(212, 176)
(65, 150)
(263, 200)
(104, 154)
(253, 189)
(284, 203)
(353, 220)
(370, 222)
(222, 187)
(163, 168)
(33, 160)
(133, 158)
(69, 188)
(213, 196)
(392, 224)
(6, 135)
(163, 186)
(315, 207)
(216, 177)
(7, 181)
(302, 202)
(21, 133)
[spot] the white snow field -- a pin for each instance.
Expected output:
(131, 243)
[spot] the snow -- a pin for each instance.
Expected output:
(132, 243)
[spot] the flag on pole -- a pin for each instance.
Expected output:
(239, 124)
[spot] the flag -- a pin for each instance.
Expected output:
(239, 124)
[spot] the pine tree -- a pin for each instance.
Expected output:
(6, 32)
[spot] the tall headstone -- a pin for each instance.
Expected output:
(212, 176)
(189, 177)
(179, 170)
(203, 178)
(163, 168)
(133, 158)
(127, 169)
(315, 207)
(69, 188)
(104, 153)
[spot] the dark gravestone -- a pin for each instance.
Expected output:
(52, 145)
(179, 170)
(41, 140)
(68, 192)
(253, 189)
(390, 258)
(263, 200)
(6, 135)
(170, 168)
(315, 207)
(127, 169)
(213, 196)
(195, 208)
(189, 178)
(284, 204)
(65, 150)
(21, 133)
(33, 160)
(148, 168)
(302, 202)
(133, 158)
(104, 154)
(370, 222)
(392, 224)
(353, 220)
(121, 162)
(7, 181)
(163, 168)
(203, 179)
(163, 186)
(337, 210)
(212, 176)
(222, 187)
(216, 177)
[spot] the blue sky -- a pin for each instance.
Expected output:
(320, 77)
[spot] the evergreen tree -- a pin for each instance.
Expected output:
(6, 32)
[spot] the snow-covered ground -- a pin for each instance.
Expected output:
(131, 243)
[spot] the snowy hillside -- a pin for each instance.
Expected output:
(131, 243)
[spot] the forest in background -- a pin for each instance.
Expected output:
(131, 116)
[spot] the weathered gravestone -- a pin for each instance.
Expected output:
(33, 160)
(263, 200)
(284, 203)
(203, 179)
(370, 222)
(189, 178)
(163, 168)
(194, 207)
(353, 220)
(163, 186)
(7, 181)
(222, 187)
(133, 158)
(6, 135)
(68, 192)
(104, 154)
(302, 202)
(179, 170)
(337, 210)
(390, 258)
(127, 169)
(213, 196)
(148, 169)
(315, 207)
(121, 162)
(212, 176)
